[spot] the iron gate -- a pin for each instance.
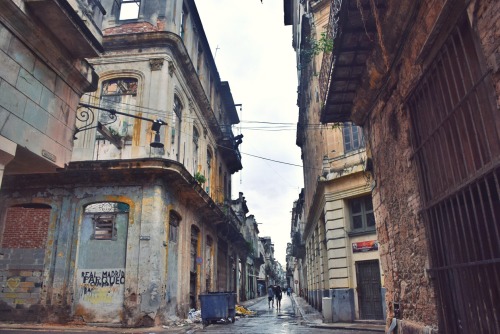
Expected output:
(455, 136)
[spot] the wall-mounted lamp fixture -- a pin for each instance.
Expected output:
(87, 115)
(156, 128)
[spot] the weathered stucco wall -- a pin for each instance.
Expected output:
(72, 269)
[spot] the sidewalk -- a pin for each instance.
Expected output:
(314, 319)
(182, 326)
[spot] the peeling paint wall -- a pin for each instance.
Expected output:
(144, 280)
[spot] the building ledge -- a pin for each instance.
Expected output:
(70, 23)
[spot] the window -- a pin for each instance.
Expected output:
(196, 138)
(362, 218)
(104, 219)
(353, 137)
(209, 168)
(174, 220)
(176, 127)
(129, 9)
(119, 94)
(104, 227)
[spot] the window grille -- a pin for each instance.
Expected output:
(455, 138)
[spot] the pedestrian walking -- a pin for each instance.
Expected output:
(270, 296)
(289, 291)
(278, 293)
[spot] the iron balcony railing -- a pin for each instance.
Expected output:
(327, 62)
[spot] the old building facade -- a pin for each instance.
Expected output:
(140, 222)
(42, 48)
(334, 241)
(422, 79)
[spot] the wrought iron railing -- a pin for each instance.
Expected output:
(328, 57)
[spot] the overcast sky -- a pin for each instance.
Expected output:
(253, 52)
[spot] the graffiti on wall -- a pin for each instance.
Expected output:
(101, 286)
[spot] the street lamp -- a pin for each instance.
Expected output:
(88, 116)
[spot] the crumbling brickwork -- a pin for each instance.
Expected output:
(411, 43)
(26, 227)
(136, 27)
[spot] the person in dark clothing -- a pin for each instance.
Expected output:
(278, 293)
(270, 296)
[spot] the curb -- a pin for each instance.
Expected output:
(349, 327)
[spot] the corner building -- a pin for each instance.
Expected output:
(139, 223)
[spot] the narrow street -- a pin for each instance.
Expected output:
(270, 320)
(266, 320)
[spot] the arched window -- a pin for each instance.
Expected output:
(119, 94)
(176, 127)
(196, 139)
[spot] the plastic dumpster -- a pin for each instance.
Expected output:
(217, 306)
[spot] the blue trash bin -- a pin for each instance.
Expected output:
(217, 306)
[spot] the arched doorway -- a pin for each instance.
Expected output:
(100, 274)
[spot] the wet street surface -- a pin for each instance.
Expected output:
(266, 320)
(272, 321)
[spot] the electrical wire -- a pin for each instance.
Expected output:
(162, 113)
(253, 155)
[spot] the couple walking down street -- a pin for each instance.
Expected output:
(274, 292)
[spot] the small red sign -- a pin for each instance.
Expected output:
(364, 246)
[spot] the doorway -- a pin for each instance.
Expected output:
(369, 290)
(100, 274)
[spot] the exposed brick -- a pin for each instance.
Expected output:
(26, 228)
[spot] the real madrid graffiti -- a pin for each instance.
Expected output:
(103, 278)
(99, 286)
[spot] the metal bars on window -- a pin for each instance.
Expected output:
(455, 136)
(455, 129)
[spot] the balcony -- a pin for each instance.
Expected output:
(228, 143)
(353, 31)
(230, 228)
(75, 23)
(298, 247)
